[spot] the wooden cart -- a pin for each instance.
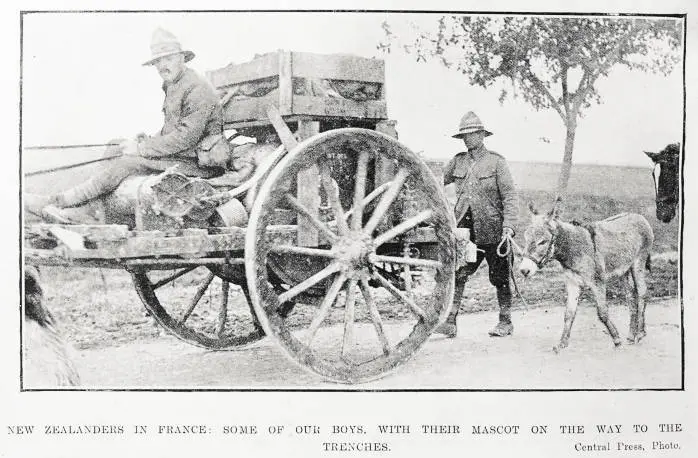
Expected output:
(348, 258)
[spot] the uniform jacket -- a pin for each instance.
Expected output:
(192, 112)
(483, 184)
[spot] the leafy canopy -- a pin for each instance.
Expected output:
(551, 62)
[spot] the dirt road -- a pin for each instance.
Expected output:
(471, 361)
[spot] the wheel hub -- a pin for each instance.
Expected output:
(354, 251)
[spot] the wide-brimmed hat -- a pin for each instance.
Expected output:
(163, 44)
(470, 123)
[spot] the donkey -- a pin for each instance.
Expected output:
(666, 181)
(590, 255)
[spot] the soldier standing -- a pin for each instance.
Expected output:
(486, 204)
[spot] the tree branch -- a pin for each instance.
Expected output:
(544, 90)
(565, 91)
(585, 86)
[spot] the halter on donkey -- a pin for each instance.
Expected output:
(591, 255)
(666, 181)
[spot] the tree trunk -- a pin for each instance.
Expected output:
(564, 178)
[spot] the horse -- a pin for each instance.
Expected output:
(48, 360)
(666, 181)
(590, 255)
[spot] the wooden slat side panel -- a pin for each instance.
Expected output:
(251, 109)
(341, 67)
(262, 67)
(327, 106)
(285, 83)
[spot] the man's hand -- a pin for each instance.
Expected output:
(507, 232)
(129, 148)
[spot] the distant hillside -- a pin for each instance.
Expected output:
(601, 180)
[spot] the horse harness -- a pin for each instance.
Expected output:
(548, 256)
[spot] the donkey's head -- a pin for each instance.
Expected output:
(540, 239)
(666, 181)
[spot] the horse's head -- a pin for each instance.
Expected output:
(666, 181)
(540, 239)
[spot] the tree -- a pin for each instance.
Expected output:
(550, 62)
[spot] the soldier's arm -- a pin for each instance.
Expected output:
(197, 108)
(508, 194)
(448, 171)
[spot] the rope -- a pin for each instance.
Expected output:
(71, 166)
(94, 145)
(507, 243)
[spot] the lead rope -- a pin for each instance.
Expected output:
(507, 243)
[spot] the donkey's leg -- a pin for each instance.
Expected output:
(638, 273)
(573, 289)
(631, 299)
(599, 290)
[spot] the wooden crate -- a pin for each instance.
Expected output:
(287, 66)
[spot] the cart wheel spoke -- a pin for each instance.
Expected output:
(407, 275)
(359, 190)
(349, 317)
(332, 191)
(309, 282)
(292, 249)
(400, 295)
(223, 312)
(403, 227)
(387, 200)
(369, 198)
(325, 306)
(300, 208)
(197, 297)
(377, 258)
(233, 325)
(375, 316)
(368, 230)
(173, 277)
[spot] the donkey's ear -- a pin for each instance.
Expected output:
(532, 208)
(653, 156)
(552, 224)
(556, 211)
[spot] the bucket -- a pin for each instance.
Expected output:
(233, 213)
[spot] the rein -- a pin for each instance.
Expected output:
(508, 243)
(71, 166)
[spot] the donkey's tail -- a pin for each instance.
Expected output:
(648, 263)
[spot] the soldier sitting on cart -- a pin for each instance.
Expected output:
(193, 122)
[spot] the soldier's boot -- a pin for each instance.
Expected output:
(504, 327)
(449, 327)
(34, 203)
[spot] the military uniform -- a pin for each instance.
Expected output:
(192, 113)
(487, 204)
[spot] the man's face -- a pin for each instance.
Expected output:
(169, 67)
(474, 139)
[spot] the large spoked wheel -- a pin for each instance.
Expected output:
(200, 305)
(376, 313)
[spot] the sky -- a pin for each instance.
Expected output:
(83, 82)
